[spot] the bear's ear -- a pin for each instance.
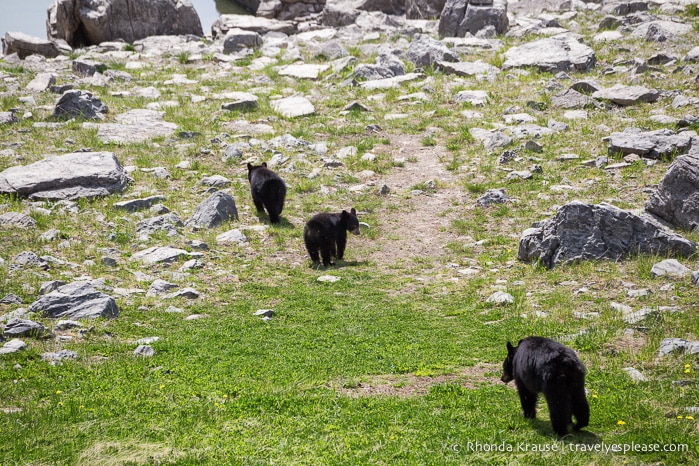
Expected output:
(510, 349)
(344, 214)
(250, 167)
(353, 212)
(264, 164)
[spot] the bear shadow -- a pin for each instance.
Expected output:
(339, 263)
(282, 223)
(574, 436)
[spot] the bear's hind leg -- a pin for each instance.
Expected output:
(326, 251)
(528, 401)
(558, 400)
(580, 408)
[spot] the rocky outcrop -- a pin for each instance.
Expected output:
(225, 23)
(70, 176)
(459, 17)
(676, 199)
(91, 22)
(581, 231)
(650, 144)
(423, 9)
(24, 45)
(77, 300)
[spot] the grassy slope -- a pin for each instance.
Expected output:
(232, 389)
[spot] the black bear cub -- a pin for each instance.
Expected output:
(327, 233)
(268, 190)
(539, 365)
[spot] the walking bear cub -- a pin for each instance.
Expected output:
(539, 365)
(327, 233)
(268, 190)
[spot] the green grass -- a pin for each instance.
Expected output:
(396, 363)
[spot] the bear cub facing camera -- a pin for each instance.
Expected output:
(326, 233)
(268, 190)
(540, 365)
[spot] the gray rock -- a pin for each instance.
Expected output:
(337, 14)
(25, 45)
(64, 325)
(11, 298)
(392, 62)
(627, 95)
(8, 117)
(169, 223)
(232, 236)
(159, 288)
(369, 72)
(500, 298)
(692, 55)
(144, 350)
(493, 196)
(570, 98)
(16, 220)
(473, 97)
(29, 259)
(581, 231)
(292, 107)
(237, 39)
(41, 82)
(240, 101)
(478, 69)
(679, 345)
(91, 22)
(13, 346)
(77, 300)
(635, 374)
(303, 70)
(421, 9)
(85, 68)
(214, 211)
(79, 104)
(191, 265)
(58, 356)
(551, 54)
(48, 287)
(159, 255)
(24, 328)
(459, 17)
(134, 205)
(425, 51)
(650, 144)
(215, 181)
(389, 83)
(671, 268)
(135, 126)
(676, 200)
(189, 293)
(225, 23)
(70, 176)
(624, 8)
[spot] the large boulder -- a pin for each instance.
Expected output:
(581, 231)
(459, 17)
(78, 103)
(218, 208)
(677, 198)
(553, 54)
(425, 51)
(656, 144)
(70, 176)
(77, 300)
(91, 22)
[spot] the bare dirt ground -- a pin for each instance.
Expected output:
(407, 385)
(421, 227)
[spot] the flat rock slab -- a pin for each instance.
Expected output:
(292, 107)
(627, 95)
(135, 126)
(243, 101)
(650, 144)
(478, 68)
(66, 177)
(389, 83)
(17, 220)
(23, 328)
(303, 71)
(134, 205)
(13, 346)
(551, 54)
(77, 300)
(581, 231)
(224, 23)
(160, 255)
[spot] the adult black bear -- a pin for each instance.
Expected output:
(541, 365)
(327, 233)
(268, 190)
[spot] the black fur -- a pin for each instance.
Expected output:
(539, 365)
(268, 190)
(327, 233)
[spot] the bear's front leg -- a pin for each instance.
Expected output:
(528, 400)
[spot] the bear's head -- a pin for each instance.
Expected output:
(350, 221)
(507, 364)
(252, 168)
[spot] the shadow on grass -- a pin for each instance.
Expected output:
(575, 436)
(282, 223)
(338, 265)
